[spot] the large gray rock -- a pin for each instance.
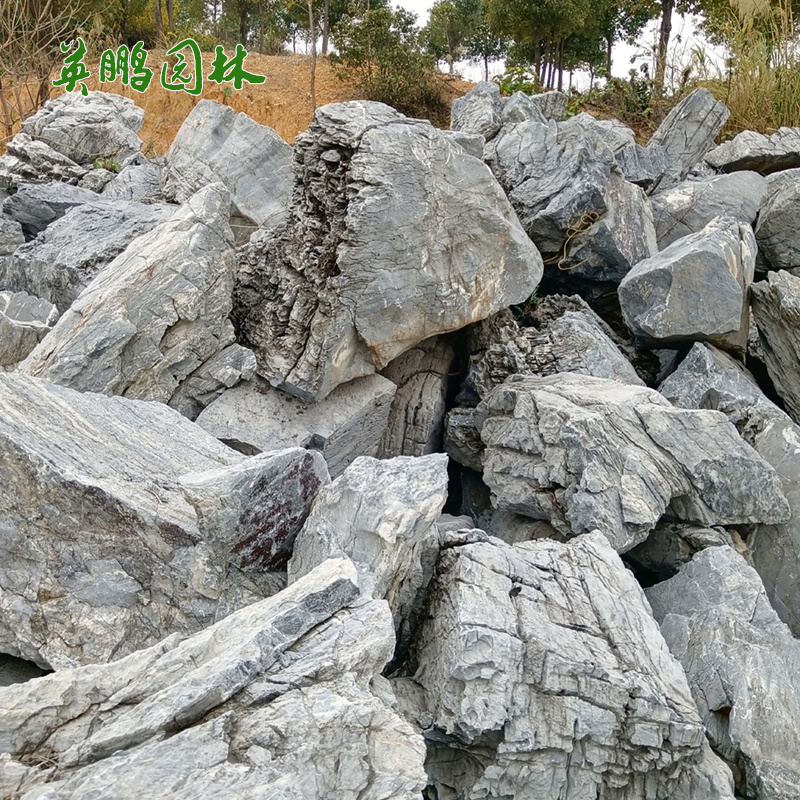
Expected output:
(564, 183)
(743, 667)
(691, 205)
(11, 237)
(215, 143)
(777, 231)
(253, 417)
(35, 206)
(382, 515)
(101, 552)
(281, 700)
(478, 111)
(544, 675)
(709, 378)
(687, 134)
(61, 262)
(24, 321)
(665, 299)
(99, 126)
(153, 315)
(587, 453)
(139, 182)
(642, 165)
(29, 161)
(416, 419)
(396, 234)
(756, 151)
(776, 309)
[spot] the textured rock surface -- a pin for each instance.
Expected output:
(84, 129)
(101, 552)
(154, 314)
(691, 205)
(743, 667)
(571, 198)
(382, 515)
(61, 262)
(708, 378)
(776, 232)
(251, 513)
(642, 165)
(281, 700)
(663, 298)
(756, 151)
(478, 111)
(24, 322)
(776, 309)
(11, 237)
(215, 143)
(350, 422)
(587, 453)
(28, 160)
(462, 438)
(35, 206)
(416, 420)
(139, 181)
(688, 133)
(546, 676)
(396, 234)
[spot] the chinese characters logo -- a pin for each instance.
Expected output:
(130, 66)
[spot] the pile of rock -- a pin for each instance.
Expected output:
(333, 471)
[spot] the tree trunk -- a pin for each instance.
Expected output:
(561, 65)
(170, 16)
(159, 26)
(609, 47)
(450, 63)
(667, 7)
(326, 26)
(243, 22)
(486, 67)
(313, 35)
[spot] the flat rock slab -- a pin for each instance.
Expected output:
(743, 666)
(756, 151)
(545, 675)
(395, 235)
(664, 299)
(350, 422)
(587, 453)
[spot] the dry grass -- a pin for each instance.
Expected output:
(283, 101)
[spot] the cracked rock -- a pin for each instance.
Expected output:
(29, 161)
(24, 321)
(756, 151)
(395, 235)
(35, 206)
(478, 111)
(776, 231)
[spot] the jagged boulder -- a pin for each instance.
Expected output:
(215, 143)
(24, 321)
(777, 232)
(478, 111)
(395, 235)
(27, 160)
(35, 206)
(65, 257)
(283, 699)
(709, 378)
(11, 237)
(543, 675)
(664, 299)
(691, 205)
(350, 422)
(139, 181)
(743, 667)
(759, 152)
(153, 315)
(642, 165)
(587, 453)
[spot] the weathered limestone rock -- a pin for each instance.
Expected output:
(642, 165)
(478, 111)
(214, 144)
(691, 205)
(416, 420)
(545, 676)
(708, 378)
(520, 107)
(154, 314)
(664, 299)
(281, 700)
(253, 418)
(63, 260)
(756, 151)
(35, 205)
(776, 309)
(471, 142)
(743, 667)
(101, 553)
(27, 160)
(139, 182)
(251, 513)
(688, 133)
(571, 198)
(462, 438)
(777, 231)
(553, 105)
(382, 515)
(617, 135)
(99, 126)
(24, 322)
(11, 237)
(96, 179)
(223, 371)
(396, 234)
(586, 453)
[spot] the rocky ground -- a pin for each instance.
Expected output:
(400, 463)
